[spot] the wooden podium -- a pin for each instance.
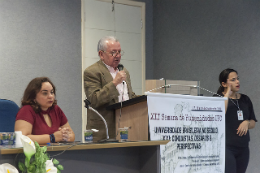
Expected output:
(134, 115)
(134, 112)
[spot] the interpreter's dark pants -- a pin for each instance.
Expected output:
(237, 159)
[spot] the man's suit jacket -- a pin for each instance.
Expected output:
(101, 92)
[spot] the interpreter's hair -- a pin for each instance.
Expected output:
(102, 45)
(32, 89)
(223, 76)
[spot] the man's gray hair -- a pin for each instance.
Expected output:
(102, 45)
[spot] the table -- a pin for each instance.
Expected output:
(130, 157)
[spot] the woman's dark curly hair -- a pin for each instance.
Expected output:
(32, 89)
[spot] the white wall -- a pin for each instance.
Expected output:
(42, 38)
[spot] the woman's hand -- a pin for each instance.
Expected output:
(58, 136)
(229, 92)
(65, 133)
(243, 128)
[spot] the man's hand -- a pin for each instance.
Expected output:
(120, 77)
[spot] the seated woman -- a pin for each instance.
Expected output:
(40, 118)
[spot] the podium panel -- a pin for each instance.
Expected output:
(134, 115)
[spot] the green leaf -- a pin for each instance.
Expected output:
(44, 165)
(33, 162)
(43, 170)
(58, 171)
(37, 160)
(46, 157)
(21, 166)
(31, 168)
(41, 160)
(36, 144)
(37, 156)
(44, 149)
(60, 167)
(37, 170)
(55, 161)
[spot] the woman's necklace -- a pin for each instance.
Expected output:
(239, 112)
(237, 105)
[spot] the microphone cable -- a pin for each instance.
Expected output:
(70, 146)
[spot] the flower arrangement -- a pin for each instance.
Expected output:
(36, 159)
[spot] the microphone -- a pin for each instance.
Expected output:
(87, 105)
(120, 68)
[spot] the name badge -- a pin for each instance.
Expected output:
(240, 115)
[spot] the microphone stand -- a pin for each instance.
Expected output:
(120, 68)
(87, 105)
(169, 85)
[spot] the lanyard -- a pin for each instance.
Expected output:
(235, 103)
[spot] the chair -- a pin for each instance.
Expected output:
(8, 111)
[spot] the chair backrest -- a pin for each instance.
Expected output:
(8, 111)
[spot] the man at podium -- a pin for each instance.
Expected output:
(106, 82)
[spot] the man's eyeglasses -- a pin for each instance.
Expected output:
(115, 53)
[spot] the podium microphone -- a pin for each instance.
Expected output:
(87, 105)
(120, 68)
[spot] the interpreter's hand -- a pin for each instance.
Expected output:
(120, 77)
(243, 128)
(65, 133)
(229, 92)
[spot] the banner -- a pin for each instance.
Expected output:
(195, 126)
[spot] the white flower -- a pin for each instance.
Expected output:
(7, 168)
(50, 168)
(28, 147)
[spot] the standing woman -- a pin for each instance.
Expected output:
(40, 118)
(240, 117)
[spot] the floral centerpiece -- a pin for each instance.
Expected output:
(36, 159)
